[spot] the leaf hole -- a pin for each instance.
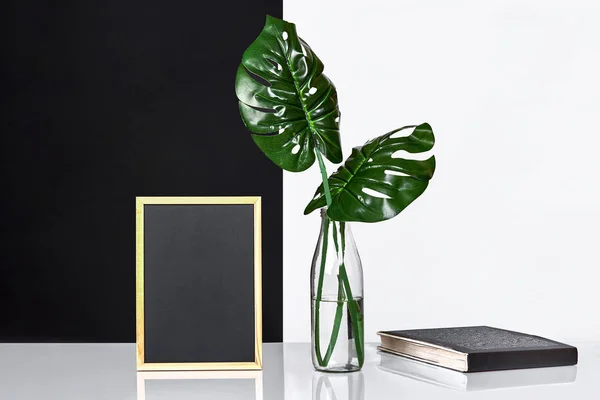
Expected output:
(274, 63)
(258, 78)
(397, 173)
(337, 119)
(312, 90)
(403, 132)
(412, 156)
(296, 149)
(266, 134)
(281, 130)
(375, 193)
(284, 35)
(262, 109)
(317, 196)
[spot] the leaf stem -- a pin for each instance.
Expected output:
(337, 321)
(324, 177)
(354, 311)
(319, 293)
(344, 286)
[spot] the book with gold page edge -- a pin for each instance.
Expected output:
(477, 348)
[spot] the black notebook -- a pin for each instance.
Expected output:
(477, 348)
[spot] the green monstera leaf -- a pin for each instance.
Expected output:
(373, 184)
(285, 99)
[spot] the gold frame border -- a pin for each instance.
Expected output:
(139, 232)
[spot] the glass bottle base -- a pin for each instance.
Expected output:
(339, 368)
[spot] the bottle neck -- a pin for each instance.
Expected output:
(334, 228)
(323, 212)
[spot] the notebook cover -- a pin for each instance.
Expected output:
(491, 349)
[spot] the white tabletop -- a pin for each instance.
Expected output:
(107, 371)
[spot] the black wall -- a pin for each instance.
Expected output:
(102, 101)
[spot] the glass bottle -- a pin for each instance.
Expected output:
(337, 300)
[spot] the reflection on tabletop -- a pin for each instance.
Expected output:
(107, 371)
(338, 386)
(183, 385)
(239, 385)
(475, 380)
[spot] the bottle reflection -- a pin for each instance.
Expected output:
(327, 386)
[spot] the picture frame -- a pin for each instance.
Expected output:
(150, 275)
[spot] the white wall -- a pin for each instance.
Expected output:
(508, 232)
